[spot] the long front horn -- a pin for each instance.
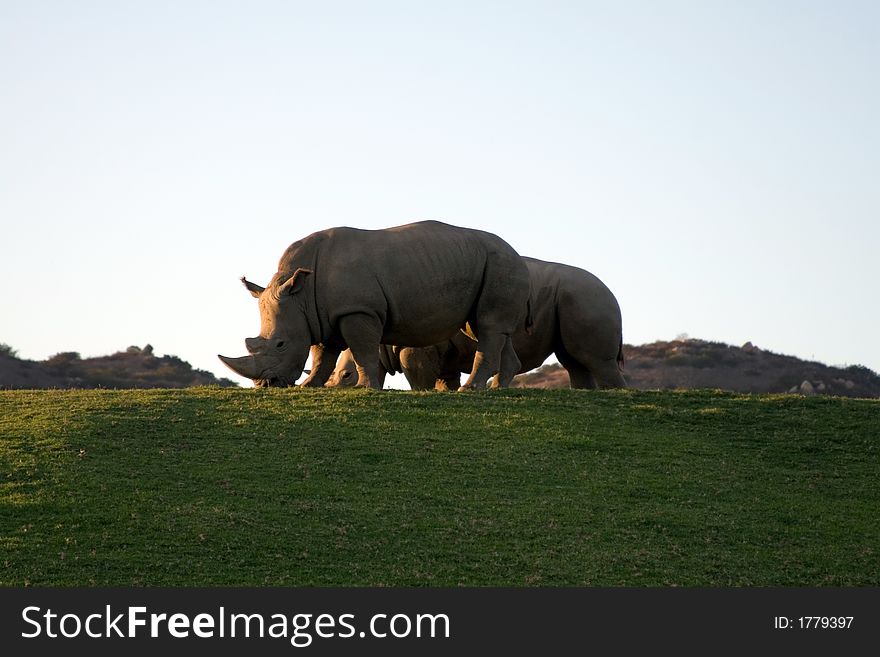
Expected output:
(245, 366)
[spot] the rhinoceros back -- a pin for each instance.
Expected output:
(423, 280)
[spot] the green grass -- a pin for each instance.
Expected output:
(213, 486)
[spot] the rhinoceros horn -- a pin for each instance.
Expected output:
(246, 366)
(253, 288)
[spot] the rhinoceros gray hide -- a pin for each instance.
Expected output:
(414, 285)
(574, 316)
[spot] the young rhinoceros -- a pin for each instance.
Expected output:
(574, 315)
(416, 284)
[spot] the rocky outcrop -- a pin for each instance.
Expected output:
(692, 363)
(133, 368)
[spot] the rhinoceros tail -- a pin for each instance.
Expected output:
(620, 359)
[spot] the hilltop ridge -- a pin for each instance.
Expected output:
(692, 363)
(135, 367)
(688, 363)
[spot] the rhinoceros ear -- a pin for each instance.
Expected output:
(253, 288)
(295, 283)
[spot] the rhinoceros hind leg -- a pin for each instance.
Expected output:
(596, 373)
(581, 378)
(500, 311)
(608, 374)
(486, 361)
(579, 375)
(510, 366)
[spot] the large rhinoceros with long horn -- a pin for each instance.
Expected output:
(574, 316)
(415, 285)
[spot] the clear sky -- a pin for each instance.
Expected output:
(717, 164)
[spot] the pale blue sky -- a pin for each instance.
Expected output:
(715, 163)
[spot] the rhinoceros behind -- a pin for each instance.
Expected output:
(438, 366)
(574, 315)
(416, 285)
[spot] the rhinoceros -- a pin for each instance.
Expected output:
(574, 316)
(437, 366)
(416, 285)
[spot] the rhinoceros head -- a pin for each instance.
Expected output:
(345, 375)
(278, 355)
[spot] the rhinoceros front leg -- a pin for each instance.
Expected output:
(362, 333)
(323, 363)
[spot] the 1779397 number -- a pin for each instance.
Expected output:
(813, 622)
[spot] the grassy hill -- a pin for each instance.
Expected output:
(216, 486)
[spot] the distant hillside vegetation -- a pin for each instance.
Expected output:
(692, 363)
(132, 368)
